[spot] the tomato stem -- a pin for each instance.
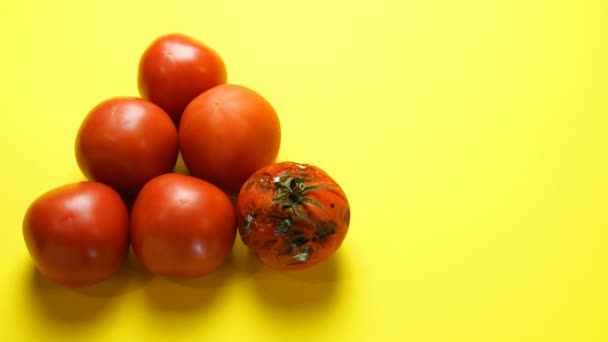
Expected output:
(291, 193)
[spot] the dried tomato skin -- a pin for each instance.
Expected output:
(292, 215)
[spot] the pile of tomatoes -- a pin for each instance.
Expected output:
(290, 215)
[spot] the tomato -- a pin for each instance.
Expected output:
(227, 133)
(77, 234)
(292, 216)
(126, 141)
(175, 69)
(181, 226)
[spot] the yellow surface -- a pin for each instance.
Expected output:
(470, 136)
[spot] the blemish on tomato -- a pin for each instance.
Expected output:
(300, 241)
(303, 256)
(246, 228)
(346, 217)
(325, 230)
(283, 226)
(248, 185)
(298, 211)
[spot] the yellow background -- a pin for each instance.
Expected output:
(470, 137)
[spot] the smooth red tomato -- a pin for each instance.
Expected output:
(227, 133)
(77, 234)
(181, 226)
(126, 141)
(175, 69)
(292, 216)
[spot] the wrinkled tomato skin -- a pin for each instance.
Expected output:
(124, 142)
(292, 216)
(77, 234)
(175, 69)
(182, 226)
(227, 133)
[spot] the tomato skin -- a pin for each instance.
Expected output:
(292, 216)
(77, 234)
(182, 227)
(175, 68)
(227, 133)
(126, 141)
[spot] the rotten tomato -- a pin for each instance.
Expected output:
(292, 216)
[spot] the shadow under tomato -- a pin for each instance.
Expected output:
(311, 288)
(62, 304)
(243, 260)
(70, 305)
(188, 295)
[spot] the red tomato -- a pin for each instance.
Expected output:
(175, 69)
(292, 216)
(181, 226)
(77, 234)
(227, 133)
(124, 142)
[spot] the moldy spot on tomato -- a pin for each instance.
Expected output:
(296, 239)
(295, 234)
(300, 240)
(325, 229)
(283, 226)
(264, 183)
(303, 256)
(246, 228)
(332, 205)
